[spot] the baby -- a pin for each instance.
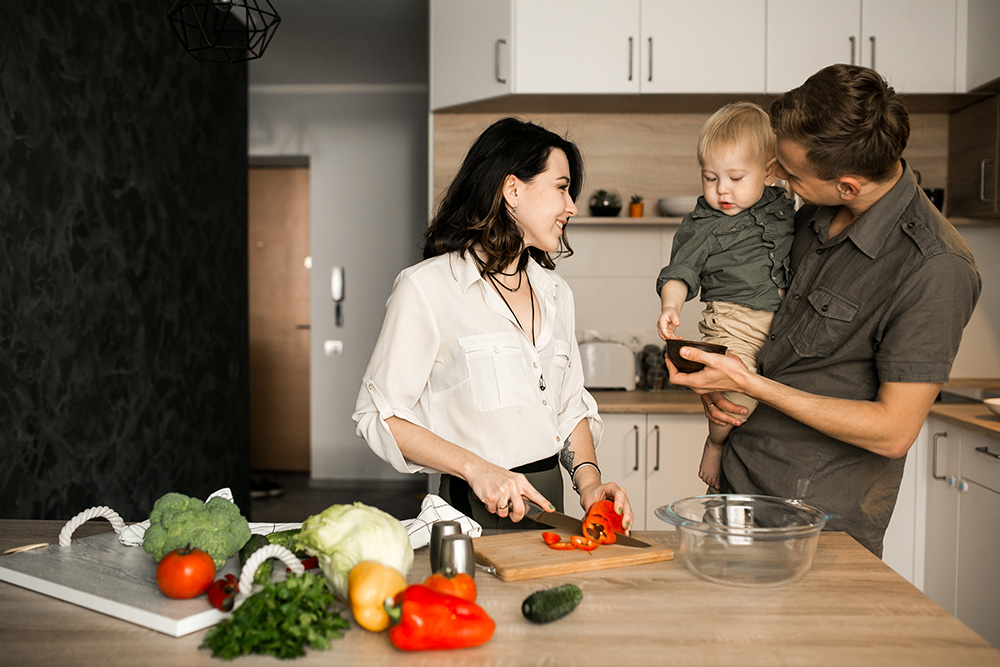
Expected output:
(733, 248)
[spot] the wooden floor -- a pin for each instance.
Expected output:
(303, 497)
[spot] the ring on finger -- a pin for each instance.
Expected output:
(711, 405)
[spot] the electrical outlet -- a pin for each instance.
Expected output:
(333, 348)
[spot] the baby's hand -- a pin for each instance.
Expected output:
(668, 323)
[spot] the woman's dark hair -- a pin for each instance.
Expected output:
(473, 209)
(849, 120)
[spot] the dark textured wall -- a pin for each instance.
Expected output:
(123, 282)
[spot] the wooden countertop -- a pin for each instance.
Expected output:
(973, 416)
(671, 401)
(849, 609)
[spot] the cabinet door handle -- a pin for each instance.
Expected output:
(853, 42)
(630, 57)
(934, 455)
(496, 61)
(657, 429)
(982, 181)
(650, 59)
(872, 40)
(636, 429)
(986, 450)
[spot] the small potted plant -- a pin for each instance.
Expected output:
(605, 203)
(635, 206)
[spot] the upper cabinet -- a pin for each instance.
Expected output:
(488, 48)
(913, 49)
(491, 48)
(709, 46)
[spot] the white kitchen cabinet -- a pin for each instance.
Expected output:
(977, 600)
(709, 46)
(488, 48)
(962, 536)
(913, 49)
(978, 49)
(940, 546)
(654, 458)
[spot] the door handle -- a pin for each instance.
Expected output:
(636, 429)
(657, 429)
(852, 42)
(872, 40)
(631, 57)
(934, 455)
(496, 61)
(982, 181)
(986, 450)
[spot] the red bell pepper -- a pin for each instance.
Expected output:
(459, 584)
(584, 543)
(602, 522)
(423, 619)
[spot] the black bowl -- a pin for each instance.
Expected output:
(674, 346)
(605, 211)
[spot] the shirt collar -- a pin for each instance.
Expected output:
(870, 231)
(466, 273)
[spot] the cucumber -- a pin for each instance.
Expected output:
(263, 573)
(551, 604)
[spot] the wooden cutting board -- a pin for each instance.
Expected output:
(523, 555)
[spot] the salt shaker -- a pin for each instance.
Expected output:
(440, 530)
(458, 555)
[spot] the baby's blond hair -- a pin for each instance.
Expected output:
(737, 123)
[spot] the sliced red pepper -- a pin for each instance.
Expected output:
(423, 619)
(562, 546)
(602, 522)
(310, 563)
(550, 538)
(584, 543)
(222, 593)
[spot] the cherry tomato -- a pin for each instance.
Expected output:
(222, 593)
(185, 573)
(584, 543)
(562, 546)
(550, 538)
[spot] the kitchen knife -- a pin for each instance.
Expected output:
(565, 522)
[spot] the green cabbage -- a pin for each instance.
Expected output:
(341, 536)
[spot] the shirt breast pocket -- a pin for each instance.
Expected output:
(827, 326)
(556, 374)
(498, 373)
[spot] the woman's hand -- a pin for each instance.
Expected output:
(502, 491)
(616, 494)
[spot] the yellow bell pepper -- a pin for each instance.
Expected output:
(368, 585)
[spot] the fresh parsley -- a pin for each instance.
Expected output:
(280, 620)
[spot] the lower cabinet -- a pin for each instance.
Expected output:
(962, 534)
(654, 457)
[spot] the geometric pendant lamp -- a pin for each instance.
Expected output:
(224, 30)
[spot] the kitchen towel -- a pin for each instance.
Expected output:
(432, 510)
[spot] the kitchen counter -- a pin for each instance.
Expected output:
(971, 415)
(849, 609)
(680, 401)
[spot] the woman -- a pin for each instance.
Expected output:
(476, 372)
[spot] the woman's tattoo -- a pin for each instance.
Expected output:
(566, 456)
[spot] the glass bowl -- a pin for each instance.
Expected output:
(744, 540)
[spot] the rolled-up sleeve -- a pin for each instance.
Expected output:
(397, 374)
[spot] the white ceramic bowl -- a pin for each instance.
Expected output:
(738, 540)
(993, 404)
(675, 207)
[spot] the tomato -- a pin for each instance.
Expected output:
(185, 573)
(550, 538)
(460, 585)
(584, 543)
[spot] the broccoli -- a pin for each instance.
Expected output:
(216, 527)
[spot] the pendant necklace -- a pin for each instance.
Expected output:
(531, 295)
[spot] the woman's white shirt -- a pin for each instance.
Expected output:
(452, 359)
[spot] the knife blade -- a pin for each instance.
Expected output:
(566, 522)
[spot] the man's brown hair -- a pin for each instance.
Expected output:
(849, 120)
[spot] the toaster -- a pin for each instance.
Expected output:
(607, 364)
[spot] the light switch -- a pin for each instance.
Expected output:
(333, 348)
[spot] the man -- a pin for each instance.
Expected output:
(882, 288)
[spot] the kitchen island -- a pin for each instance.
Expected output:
(849, 609)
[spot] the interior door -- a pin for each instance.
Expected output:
(279, 318)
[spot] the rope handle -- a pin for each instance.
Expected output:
(83, 517)
(261, 555)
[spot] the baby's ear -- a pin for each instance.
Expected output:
(770, 171)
